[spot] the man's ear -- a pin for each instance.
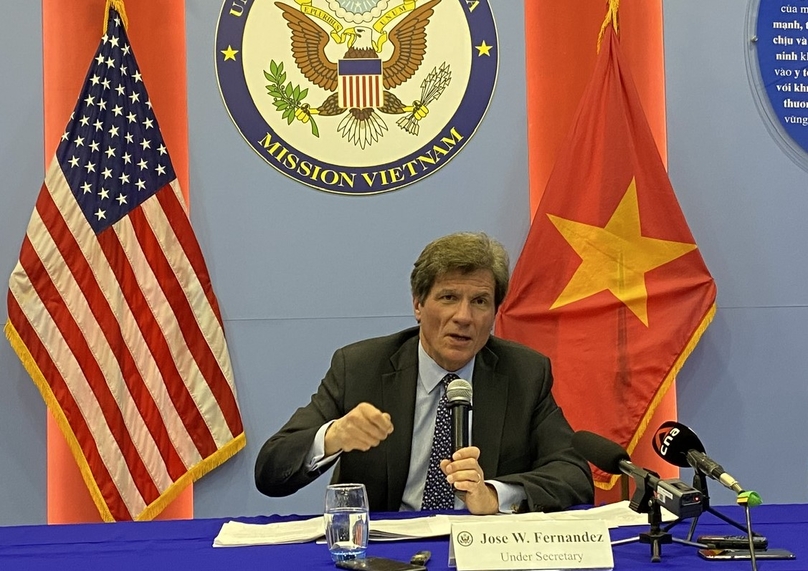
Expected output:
(416, 309)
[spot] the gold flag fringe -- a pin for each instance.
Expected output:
(663, 389)
(119, 7)
(192, 475)
(169, 494)
(611, 18)
(59, 416)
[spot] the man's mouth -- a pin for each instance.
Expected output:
(459, 338)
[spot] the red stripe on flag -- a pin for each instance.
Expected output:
(182, 228)
(194, 338)
(187, 409)
(74, 338)
(109, 325)
(69, 407)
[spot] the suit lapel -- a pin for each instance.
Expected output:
(399, 400)
(490, 398)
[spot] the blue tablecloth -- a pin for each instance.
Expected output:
(186, 545)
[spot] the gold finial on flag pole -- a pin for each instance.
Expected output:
(611, 18)
(119, 7)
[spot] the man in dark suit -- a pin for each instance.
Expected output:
(375, 411)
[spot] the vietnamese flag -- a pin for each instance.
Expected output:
(610, 283)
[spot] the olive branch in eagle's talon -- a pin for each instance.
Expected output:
(288, 98)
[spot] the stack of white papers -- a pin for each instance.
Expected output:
(235, 533)
(410, 528)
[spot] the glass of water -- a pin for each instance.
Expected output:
(346, 521)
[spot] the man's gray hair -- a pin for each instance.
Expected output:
(465, 252)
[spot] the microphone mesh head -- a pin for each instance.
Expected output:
(602, 452)
(459, 391)
(673, 441)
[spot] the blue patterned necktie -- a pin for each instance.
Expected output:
(438, 493)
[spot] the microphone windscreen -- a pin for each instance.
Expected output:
(459, 392)
(600, 451)
(673, 441)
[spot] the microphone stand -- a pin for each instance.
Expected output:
(643, 502)
(700, 483)
(743, 500)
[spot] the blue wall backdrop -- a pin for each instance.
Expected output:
(300, 272)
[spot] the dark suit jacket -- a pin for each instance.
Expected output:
(521, 432)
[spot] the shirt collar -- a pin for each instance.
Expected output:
(430, 373)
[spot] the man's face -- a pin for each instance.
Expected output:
(456, 317)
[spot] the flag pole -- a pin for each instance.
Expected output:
(611, 18)
(118, 5)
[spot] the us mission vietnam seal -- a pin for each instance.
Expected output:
(356, 96)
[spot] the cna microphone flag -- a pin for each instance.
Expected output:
(610, 283)
(110, 306)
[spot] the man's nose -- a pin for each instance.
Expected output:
(463, 312)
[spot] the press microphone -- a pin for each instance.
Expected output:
(607, 455)
(673, 494)
(458, 395)
(680, 446)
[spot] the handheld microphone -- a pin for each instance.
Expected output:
(673, 494)
(680, 446)
(458, 395)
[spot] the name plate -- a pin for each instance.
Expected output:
(559, 544)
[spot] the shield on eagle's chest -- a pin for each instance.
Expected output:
(360, 83)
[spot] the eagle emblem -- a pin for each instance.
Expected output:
(360, 82)
(356, 96)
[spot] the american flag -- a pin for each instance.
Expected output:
(110, 307)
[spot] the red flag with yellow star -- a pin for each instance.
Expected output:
(610, 283)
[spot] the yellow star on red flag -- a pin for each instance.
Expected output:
(615, 257)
